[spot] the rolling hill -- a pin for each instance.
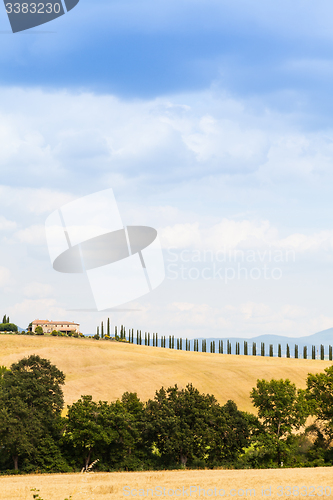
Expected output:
(107, 369)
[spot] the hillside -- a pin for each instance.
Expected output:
(107, 369)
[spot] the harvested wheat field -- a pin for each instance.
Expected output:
(107, 369)
(275, 483)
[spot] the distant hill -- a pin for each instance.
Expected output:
(324, 337)
(107, 369)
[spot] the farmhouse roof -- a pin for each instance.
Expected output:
(47, 322)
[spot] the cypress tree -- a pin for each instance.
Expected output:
(115, 333)
(330, 353)
(181, 344)
(313, 352)
(271, 350)
(245, 348)
(254, 349)
(296, 351)
(108, 327)
(97, 332)
(305, 352)
(262, 348)
(322, 352)
(279, 351)
(140, 338)
(237, 348)
(288, 351)
(102, 330)
(173, 341)
(148, 338)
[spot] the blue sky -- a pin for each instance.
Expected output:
(211, 121)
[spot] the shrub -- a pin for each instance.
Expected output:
(54, 333)
(96, 336)
(8, 327)
(70, 334)
(76, 335)
(39, 330)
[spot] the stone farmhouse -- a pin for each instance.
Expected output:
(60, 326)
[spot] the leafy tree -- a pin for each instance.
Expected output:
(87, 428)
(233, 430)
(39, 330)
(180, 423)
(282, 409)
(31, 400)
(320, 397)
(127, 448)
(8, 327)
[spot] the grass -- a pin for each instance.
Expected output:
(110, 486)
(107, 369)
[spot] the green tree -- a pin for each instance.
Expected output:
(282, 409)
(8, 327)
(87, 427)
(127, 448)
(31, 400)
(39, 330)
(320, 397)
(180, 423)
(233, 430)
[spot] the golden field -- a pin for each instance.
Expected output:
(107, 369)
(110, 486)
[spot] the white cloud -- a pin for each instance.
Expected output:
(96, 138)
(32, 200)
(5, 276)
(37, 290)
(29, 309)
(6, 224)
(247, 319)
(245, 234)
(34, 235)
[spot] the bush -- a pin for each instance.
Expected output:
(8, 327)
(76, 335)
(54, 333)
(39, 330)
(96, 336)
(70, 334)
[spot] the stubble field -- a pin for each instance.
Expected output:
(272, 483)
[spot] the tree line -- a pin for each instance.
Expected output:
(179, 427)
(220, 346)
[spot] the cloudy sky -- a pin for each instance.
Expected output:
(211, 120)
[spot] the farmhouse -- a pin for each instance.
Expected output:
(61, 326)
